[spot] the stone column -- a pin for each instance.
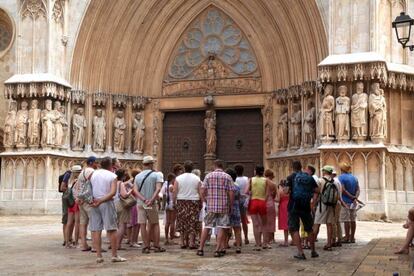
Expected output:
(89, 117)
(129, 119)
(109, 117)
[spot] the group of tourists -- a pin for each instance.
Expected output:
(105, 196)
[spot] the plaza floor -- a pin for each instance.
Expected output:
(32, 246)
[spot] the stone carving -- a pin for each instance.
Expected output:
(99, 131)
(309, 125)
(99, 98)
(120, 100)
(377, 113)
(10, 126)
(65, 126)
(57, 11)
(268, 138)
(48, 125)
(342, 72)
(33, 132)
(210, 127)
(296, 123)
(139, 133)
(58, 121)
(282, 128)
(22, 118)
(156, 124)
(359, 112)
(78, 129)
(326, 127)
(119, 132)
(342, 108)
(78, 96)
(33, 9)
(139, 102)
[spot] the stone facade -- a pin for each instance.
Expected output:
(86, 77)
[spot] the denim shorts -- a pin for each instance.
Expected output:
(103, 217)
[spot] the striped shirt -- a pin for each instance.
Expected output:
(218, 184)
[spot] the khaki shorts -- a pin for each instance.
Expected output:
(123, 214)
(150, 215)
(84, 209)
(212, 220)
(347, 215)
(324, 214)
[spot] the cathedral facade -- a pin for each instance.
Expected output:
(248, 82)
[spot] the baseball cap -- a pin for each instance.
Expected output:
(328, 169)
(91, 160)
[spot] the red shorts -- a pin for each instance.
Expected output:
(257, 207)
(74, 209)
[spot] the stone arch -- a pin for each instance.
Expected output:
(288, 38)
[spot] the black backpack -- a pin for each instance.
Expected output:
(60, 180)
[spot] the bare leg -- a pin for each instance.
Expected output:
(204, 235)
(145, 235)
(83, 230)
(64, 232)
(257, 230)
(97, 242)
(69, 226)
(409, 237)
(220, 239)
(167, 225)
(77, 220)
(237, 234)
(155, 229)
(297, 242)
(316, 230)
(245, 228)
(112, 235)
(286, 234)
(329, 232)
(173, 217)
(120, 234)
(353, 229)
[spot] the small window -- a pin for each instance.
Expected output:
(6, 32)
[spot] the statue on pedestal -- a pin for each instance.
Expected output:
(342, 109)
(48, 125)
(377, 113)
(309, 125)
(139, 132)
(359, 113)
(210, 127)
(10, 126)
(65, 126)
(58, 125)
(296, 122)
(78, 128)
(282, 129)
(33, 132)
(119, 132)
(326, 126)
(99, 131)
(22, 119)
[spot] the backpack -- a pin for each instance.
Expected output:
(330, 194)
(60, 180)
(302, 191)
(86, 194)
(68, 196)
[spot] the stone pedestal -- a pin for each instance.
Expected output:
(209, 162)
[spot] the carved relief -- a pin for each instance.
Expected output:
(342, 72)
(22, 118)
(33, 9)
(359, 71)
(282, 132)
(210, 127)
(33, 132)
(78, 129)
(342, 108)
(99, 98)
(48, 125)
(99, 131)
(78, 96)
(119, 100)
(309, 126)
(267, 113)
(359, 113)
(326, 126)
(139, 133)
(57, 11)
(139, 102)
(10, 126)
(377, 113)
(59, 121)
(119, 131)
(296, 123)
(156, 125)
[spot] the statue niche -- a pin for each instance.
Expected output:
(99, 131)
(139, 133)
(377, 113)
(359, 113)
(22, 119)
(326, 126)
(119, 131)
(10, 126)
(33, 132)
(282, 129)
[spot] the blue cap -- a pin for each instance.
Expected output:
(91, 160)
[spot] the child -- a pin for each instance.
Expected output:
(170, 212)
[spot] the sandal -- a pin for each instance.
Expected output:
(200, 253)
(158, 249)
(87, 249)
(145, 250)
(192, 247)
(217, 254)
(327, 248)
(238, 250)
(300, 256)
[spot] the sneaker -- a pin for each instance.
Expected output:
(314, 254)
(135, 245)
(118, 259)
(300, 256)
(99, 260)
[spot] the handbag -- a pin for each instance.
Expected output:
(128, 201)
(86, 194)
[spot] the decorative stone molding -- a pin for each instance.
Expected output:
(294, 92)
(119, 100)
(58, 11)
(78, 96)
(99, 98)
(342, 72)
(139, 102)
(37, 89)
(281, 96)
(33, 9)
(358, 71)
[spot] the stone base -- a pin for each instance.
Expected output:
(327, 140)
(209, 162)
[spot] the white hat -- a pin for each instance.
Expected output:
(76, 168)
(148, 160)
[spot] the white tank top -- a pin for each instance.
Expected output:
(188, 186)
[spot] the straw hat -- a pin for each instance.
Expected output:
(148, 160)
(76, 168)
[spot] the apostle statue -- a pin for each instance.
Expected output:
(10, 126)
(282, 128)
(119, 132)
(377, 112)
(78, 129)
(139, 132)
(210, 127)
(33, 132)
(309, 125)
(342, 108)
(22, 119)
(326, 126)
(65, 126)
(58, 125)
(359, 112)
(296, 122)
(99, 131)
(268, 138)
(48, 125)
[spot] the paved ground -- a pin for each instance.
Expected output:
(32, 245)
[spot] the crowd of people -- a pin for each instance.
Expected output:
(105, 196)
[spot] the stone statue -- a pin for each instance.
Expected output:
(22, 119)
(342, 108)
(119, 132)
(78, 129)
(48, 125)
(377, 112)
(10, 126)
(309, 125)
(268, 139)
(58, 124)
(33, 132)
(326, 126)
(282, 129)
(296, 122)
(359, 112)
(99, 131)
(65, 126)
(139, 132)
(210, 127)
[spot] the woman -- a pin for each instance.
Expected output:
(242, 181)
(187, 191)
(73, 212)
(270, 227)
(235, 219)
(258, 190)
(283, 211)
(170, 212)
(133, 226)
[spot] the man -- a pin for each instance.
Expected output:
(103, 213)
(217, 189)
(326, 204)
(312, 172)
(303, 187)
(350, 194)
(336, 227)
(84, 207)
(149, 185)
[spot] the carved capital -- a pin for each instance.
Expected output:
(281, 96)
(33, 9)
(325, 74)
(78, 96)
(402, 81)
(119, 100)
(139, 102)
(58, 11)
(294, 92)
(392, 80)
(341, 72)
(99, 98)
(378, 71)
(359, 71)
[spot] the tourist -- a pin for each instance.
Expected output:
(217, 188)
(84, 207)
(63, 186)
(325, 204)
(116, 164)
(149, 184)
(133, 226)
(242, 181)
(103, 213)
(235, 219)
(73, 212)
(125, 191)
(270, 227)
(350, 194)
(409, 225)
(258, 188)
(302, 188)
(283, 196)
(336, 226)
(170, 210)
(187, 190)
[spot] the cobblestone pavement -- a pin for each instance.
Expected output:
(32, 245)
